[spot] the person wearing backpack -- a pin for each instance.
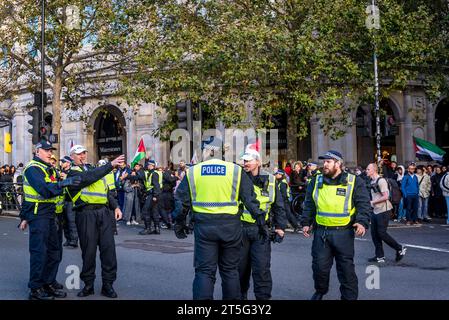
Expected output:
(444, 185)
(381, 215)
(410, 192)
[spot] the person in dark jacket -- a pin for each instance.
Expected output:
(69, 225)
(297, 179)
(41, 191)
(150, 210)
(337, 206)
(439, 202)
(93, 202)
(167, 201)
(285, 192)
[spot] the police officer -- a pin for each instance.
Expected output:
(150, 210)
(69, 225)
(110, 181)
(255, 253)
(41, 191)
(284, 188)
(339, 204)
(92, 203)
(212, 190)
(312, 171)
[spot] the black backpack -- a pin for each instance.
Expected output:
(395, 193)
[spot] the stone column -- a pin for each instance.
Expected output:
(350, 140)
(408, 152)
(21, 138)
(319, 141)
(430, 122)
(132, 139)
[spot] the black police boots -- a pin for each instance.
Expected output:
(147, 229)
(108, 291)
(40, 294)
(317, 296)
(71, 244)
(87, 291)
(51, 290)
(57, 285)
(145, 232)
(156, 230)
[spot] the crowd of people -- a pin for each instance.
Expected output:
(422, 194)
(336, 201)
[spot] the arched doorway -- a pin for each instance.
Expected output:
(110, 133)
(442, 125)
(366, 132)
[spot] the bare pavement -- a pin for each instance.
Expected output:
(161, 267)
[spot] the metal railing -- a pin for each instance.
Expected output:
(11, 196)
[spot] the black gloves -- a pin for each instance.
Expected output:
(276, 238)
(68, 182)
(181, 230)
(263, 228)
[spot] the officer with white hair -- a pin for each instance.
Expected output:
(92, 202)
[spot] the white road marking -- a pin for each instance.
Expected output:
(416, 246)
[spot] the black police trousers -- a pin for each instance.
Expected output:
(255, 258)
(217, 243)
(70, 232)
(150, 211)
(95, 229)
(45, 245)
(339, 244)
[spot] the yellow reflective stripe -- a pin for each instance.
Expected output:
(214, 204)
(349, 193)
(93, 194)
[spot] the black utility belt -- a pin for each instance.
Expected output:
(334, 228)
(90, 207)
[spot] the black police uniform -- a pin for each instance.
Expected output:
(150, 210)
(337, 242)
(290, 216)
(45, 237)
(95, 228)
(255, 254)
(218, 239)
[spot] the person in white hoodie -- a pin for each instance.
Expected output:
(444, 185)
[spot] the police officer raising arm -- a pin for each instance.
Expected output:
(41, 194)
(338, 204)
(212, 190)
(92, 202)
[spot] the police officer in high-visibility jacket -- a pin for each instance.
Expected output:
(339, 205)
(255, 253)
(70, 232)
(150, 209)
(312, 170)
(284, 188)
(92, 203)
(41, 194)
(110, 181)
(212, 190)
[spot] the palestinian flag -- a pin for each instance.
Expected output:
(140, 153)
(426, 151)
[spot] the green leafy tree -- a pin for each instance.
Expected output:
(302, 57)
(87, 43)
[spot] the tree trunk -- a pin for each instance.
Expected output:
(56, 105)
